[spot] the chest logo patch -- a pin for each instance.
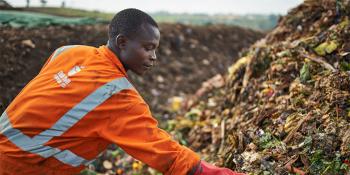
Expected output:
(63, 79)
(75, 70)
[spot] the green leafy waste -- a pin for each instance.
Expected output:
(305, 74)
(320, 164)
(326, 48)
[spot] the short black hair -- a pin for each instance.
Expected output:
(128, 22)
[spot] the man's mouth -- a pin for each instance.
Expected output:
(147, 66)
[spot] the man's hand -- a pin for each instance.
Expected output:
(205, 168)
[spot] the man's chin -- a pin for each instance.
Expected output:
(139, 73)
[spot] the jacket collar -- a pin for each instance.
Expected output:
(113, 57)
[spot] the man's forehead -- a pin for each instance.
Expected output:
(148, 32)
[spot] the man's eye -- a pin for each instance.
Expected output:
(148, 48)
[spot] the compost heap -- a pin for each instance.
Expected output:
(285, 107)
(187, 56)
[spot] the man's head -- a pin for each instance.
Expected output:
(134, 36)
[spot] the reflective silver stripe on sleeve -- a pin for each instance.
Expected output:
(36, 145)
(60, 50)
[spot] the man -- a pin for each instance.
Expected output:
(81, 101)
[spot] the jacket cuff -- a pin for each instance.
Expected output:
(184, 163)
(196, 170)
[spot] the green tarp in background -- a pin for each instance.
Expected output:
(32, 19)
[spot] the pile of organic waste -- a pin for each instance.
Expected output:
(284, 106)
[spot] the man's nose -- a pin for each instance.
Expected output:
(153, 56)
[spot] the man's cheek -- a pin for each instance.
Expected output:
(142, 54)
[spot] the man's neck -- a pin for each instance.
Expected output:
(114, 50)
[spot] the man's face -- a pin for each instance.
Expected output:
(139, 53)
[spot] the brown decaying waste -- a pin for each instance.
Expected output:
(285, 106)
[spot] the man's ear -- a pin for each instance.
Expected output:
(121, 41)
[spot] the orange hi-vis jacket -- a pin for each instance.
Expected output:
(79, 103)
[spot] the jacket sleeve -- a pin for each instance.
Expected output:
(136, 132)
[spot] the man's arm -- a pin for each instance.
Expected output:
(136, 132)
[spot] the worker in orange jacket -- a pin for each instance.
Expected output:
(82, 101)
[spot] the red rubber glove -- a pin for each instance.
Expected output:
(205, 168)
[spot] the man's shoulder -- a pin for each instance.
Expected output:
(75, 48)
(79, 53)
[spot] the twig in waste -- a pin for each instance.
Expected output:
(321, 61)
(291, 133)
(222, 135)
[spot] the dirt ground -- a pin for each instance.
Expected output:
(188, 55)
